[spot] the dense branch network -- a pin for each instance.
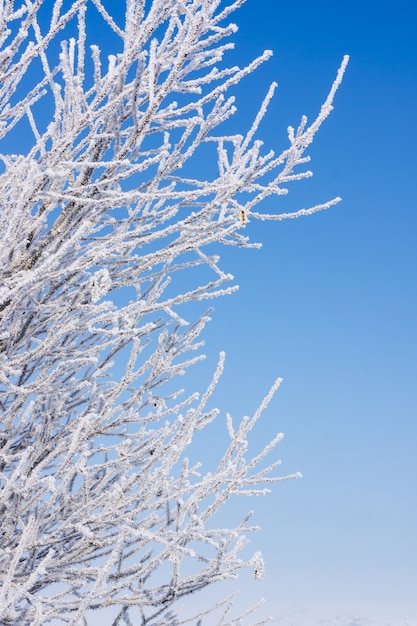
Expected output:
(103, 218)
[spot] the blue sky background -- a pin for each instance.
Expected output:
(330, 305)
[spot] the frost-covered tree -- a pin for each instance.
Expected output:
(117, 188)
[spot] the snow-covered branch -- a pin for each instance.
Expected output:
(105, 210)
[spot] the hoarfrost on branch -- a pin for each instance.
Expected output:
(106, 210)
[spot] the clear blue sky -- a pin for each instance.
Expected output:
(330, 305)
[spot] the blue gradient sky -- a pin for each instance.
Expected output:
(330, 305)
